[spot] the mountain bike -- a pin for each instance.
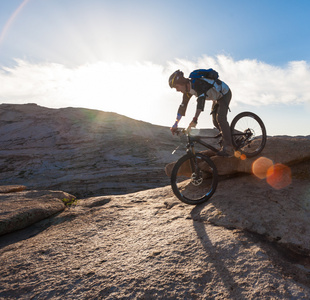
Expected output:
(194, 177)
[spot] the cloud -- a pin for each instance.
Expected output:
(138, 90)
(141, 91)
(257, 83)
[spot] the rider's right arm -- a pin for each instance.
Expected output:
(183, 106)
(181, 111)
(175, 125)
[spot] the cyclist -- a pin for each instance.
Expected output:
(219, 92)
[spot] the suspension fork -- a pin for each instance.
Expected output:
(193, 160)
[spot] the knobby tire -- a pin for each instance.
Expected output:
(248, 134)
(194, 178)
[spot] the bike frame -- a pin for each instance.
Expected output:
(197, 139)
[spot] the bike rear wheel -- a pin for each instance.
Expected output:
(194, 178)
(248, 134)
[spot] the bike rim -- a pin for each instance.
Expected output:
(194, 180)
(248, 136)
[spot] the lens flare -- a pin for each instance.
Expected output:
(239, 155)
(11, 20)
(261, 166)
(279, 176)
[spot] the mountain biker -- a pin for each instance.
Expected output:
(219, 92)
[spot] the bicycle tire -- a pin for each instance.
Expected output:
(194, 186)
(248, 134)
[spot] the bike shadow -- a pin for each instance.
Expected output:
(213, 253)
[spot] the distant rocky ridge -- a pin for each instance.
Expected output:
(81, 151)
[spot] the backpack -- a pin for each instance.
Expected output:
(209, 74)
(204, 74)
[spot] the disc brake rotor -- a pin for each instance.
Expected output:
(196, 179)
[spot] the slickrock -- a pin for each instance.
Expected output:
(251, 240)
(21, 209)
(84, 152)
(149, 245)
(280, 149)
(12, 188)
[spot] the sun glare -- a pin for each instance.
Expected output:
(125, 89)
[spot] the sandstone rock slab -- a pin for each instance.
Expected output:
(84, 152)
(21, 209)
(252, 204)
(145, 245)
(11, 188)
(281, 149)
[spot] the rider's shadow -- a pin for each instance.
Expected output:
(214, 254)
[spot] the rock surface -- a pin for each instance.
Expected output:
(81, 151)
(21, 209)
(148, 245)
(12, 188)
(250, 241)
(280, 149)
(284, 150)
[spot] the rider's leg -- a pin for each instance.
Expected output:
(214, 114)
(221, 118)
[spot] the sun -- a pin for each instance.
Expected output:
(129, 89)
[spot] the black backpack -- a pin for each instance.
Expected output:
(208, 74)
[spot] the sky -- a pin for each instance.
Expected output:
(118, 55)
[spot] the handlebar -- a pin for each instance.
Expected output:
(183, 131)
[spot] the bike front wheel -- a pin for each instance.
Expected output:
(248, 134)
(194, 178)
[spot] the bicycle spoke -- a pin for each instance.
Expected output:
(248, 134)
(194, 179)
